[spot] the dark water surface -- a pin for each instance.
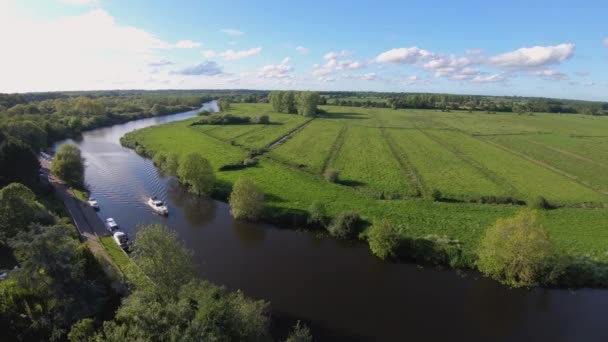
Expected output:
(338, 286)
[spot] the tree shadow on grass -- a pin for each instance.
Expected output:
(356, 116)
(350, 182)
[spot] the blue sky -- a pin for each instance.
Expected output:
(531, 48)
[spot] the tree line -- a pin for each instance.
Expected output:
(291, 102)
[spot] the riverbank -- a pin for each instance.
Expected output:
(431, 231)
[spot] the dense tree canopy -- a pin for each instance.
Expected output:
(290, 102)
(68, 165)
(246, 200)
(196, 172)
(18, 209)
(18, 162)
(517, 251)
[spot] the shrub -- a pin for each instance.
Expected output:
(346, 224)
(249, 162)
(261, 119)
(383, 239)
(538, 202)
(331, 175)
(246, 201)
(517, 251)
(68, 165)
(436, 195)
(317, 214)
(300, 333)
(196, 172)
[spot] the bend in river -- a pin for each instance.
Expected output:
(337, 286)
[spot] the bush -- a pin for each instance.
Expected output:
(539, 202)
(331, 175)
(300, 333)
(204, 112)
(346, 224)
(261, 119)
(436, 195)
(68, 165)
(517, 252)
(383, 239)
(249, 162)
(246, 201)
(317, 215)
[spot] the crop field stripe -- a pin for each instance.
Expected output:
(567, 153)
(408, 169)
(544, 165)
(289, 134)
(335, 148)
(491, 176)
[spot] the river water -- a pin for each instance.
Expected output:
(345, 292)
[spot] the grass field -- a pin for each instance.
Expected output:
(411, 152)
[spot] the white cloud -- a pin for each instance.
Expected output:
(206, 68)
(550, 75)
(281, 70)
(160, 63)
(335, 55)
(489, 79)
(533, 57)
(605, 42)
(302, 50)
(409, 55)
(231, 54)
(81, 2)
(369, 76)
(327, 79)
(473, 51)
(187, 44)
(232, 32)
(334, 65)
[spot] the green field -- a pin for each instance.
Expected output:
(390, 160)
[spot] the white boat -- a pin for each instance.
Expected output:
(111, 224)
(121, 239)
(93, 203)
(158, 206)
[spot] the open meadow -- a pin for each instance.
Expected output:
(433, 174)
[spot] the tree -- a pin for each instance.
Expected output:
(68, 165)
(196, 172)
(18, 163)
(307, 102)
(171, 164)
(18, 209)
(346, 224)
(383, 239)
(331, 175)
(162, 257)
(82, 331)
(27, 132)
(276, 100)
(300, 333)
(517, 251)
(317, 214)
(246, 201)
(224, 104)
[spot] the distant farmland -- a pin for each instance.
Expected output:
(436, 173)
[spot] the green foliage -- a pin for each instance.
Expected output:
(162, 257)
(300, 333)
(331, 175)
(346, 225)
(18, 209)
(306, 103)
(383, 239)
(196, 172)
(517, 251)
(539, 203)
(229, 119)
(246, 201)
(317, 215)
(68, 165)
(224, 104)
(18, 162)
(82, 331)
(27, 132)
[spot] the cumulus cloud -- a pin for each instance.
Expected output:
(302, 50)
(473, 52)
(550, 75)
(489, 78)
(409, 55)
(327, 79)
(334, 65)
(160, 63)
(232, 32)
(206, 68)
(369, 76)
(281, 71)
(232, 54)
(336, 55)
(187, 44)
(533, 57)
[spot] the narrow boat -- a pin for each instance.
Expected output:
(111, 224)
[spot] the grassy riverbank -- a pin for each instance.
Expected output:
(394, 163)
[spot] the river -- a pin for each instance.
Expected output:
(345, 292)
